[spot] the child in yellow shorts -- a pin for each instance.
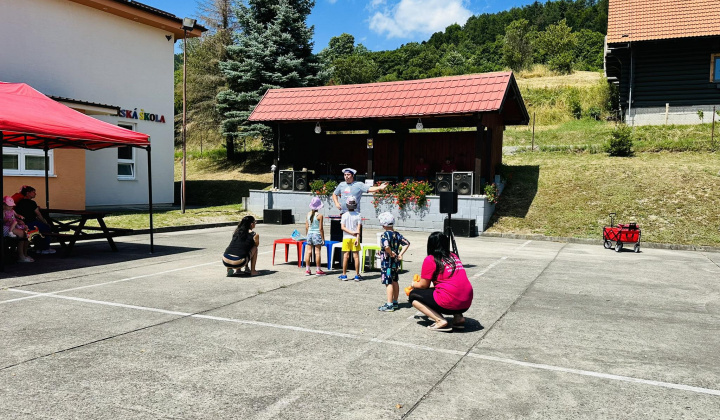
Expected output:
(351, 222)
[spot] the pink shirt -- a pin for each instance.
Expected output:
(452, 292)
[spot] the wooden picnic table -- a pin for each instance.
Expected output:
(72, 227)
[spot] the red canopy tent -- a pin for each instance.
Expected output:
(32, 120)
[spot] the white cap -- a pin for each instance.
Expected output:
(386, 219)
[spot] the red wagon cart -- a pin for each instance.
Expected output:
(622, 233)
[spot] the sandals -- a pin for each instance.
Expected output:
(446, 328)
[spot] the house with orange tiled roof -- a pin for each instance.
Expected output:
(664, 55)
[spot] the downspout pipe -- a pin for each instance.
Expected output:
(632, 83)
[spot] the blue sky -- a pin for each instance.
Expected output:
(377, 24)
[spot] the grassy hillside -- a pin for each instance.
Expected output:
(568, 185)
(673, 196)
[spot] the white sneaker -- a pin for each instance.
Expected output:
(26, 259)
(11, 235)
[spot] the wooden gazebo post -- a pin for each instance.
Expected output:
(372, 135)
(402, 134)
(480, 138)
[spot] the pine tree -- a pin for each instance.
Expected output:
(273, 50)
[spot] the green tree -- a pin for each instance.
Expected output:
(452, 63)
(517, 45)
(355, 68)
(589, 51)
(339, 48)
(204, 79)
(273, 50)
(556, 46)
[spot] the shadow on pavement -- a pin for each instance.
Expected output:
(88, 254)
(471, 325)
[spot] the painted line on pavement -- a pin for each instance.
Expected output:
(37, 294)
(488, 268)
(598, 374)
(540, 366)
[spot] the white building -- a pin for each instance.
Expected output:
(103, 58)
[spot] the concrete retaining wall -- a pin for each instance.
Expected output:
(427, 219)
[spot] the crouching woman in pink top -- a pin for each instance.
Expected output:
(452, 294)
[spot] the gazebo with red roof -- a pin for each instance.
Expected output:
(479, 106)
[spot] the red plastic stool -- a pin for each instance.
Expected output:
(287, 242)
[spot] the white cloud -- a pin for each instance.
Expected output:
(410, 17)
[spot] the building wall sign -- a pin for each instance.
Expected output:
(142, 115)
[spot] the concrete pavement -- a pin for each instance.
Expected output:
(556, 330)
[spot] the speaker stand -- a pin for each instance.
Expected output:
(451, 236)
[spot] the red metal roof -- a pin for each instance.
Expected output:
(412, 98)
(643, 20)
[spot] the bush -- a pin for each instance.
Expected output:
(320, 188)
(491, 192)
(621, 142)
(575, 107)
(594, 112)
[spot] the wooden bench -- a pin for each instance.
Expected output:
(67, 240)
(67, 232)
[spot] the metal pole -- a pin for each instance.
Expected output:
(150, 200)
(184, 150)
(47, 172)
(712, 133)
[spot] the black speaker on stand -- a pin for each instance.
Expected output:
(449, 205)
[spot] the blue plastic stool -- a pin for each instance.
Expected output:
(328, 246)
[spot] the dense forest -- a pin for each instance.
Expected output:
(267, 44)
(565, 34)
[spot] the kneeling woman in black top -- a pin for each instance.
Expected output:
(243, 248)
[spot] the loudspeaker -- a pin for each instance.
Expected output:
(461, 227)
(463, 183)
(277, 216)
(443, 182)
(300, 181)
(448, 202)
(336, 233)
(286, 180)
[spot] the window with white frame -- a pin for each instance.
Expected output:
(26, 162)
(126, 159)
